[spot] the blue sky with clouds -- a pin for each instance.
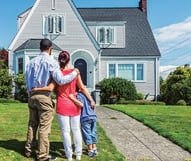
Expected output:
(170, 22)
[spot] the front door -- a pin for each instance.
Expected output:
(82, 66)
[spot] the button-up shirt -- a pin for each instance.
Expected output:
(42, 69)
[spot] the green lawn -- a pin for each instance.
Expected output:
(13, 127)
(173, 122)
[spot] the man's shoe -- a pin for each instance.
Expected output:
(51, 158)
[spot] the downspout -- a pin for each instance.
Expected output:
(156, 78)
(99, 57)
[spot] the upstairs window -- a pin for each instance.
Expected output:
(105, 35)
(53, 4)
(53, 24)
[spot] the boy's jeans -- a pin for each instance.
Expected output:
(89, 131)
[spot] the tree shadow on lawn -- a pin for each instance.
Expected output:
(56, 148)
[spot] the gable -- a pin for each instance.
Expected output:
(139, 39)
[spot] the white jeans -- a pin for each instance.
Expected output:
(67, 123)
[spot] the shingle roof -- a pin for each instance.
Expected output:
(139, 39)
(34, 44)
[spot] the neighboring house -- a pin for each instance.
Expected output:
(103, 42)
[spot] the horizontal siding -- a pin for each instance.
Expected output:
(144, 87)
(119, 32)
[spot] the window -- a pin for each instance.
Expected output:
(126, 71)
(139, 71)
(53, 24)
(111, 70)
(105, 35)
(133, 72)
(20, 65)
(53, 4)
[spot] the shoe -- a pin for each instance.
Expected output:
(95, 151)
(78, 157)
(91, 153)
(51, 157)
(69, 159)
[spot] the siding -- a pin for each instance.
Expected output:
(147, 86)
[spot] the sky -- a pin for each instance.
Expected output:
(170, 21)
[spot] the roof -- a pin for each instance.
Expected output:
(139, 40)
(34, 44)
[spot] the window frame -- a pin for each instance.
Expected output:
(135, 70)
(54, 24)
(18, 67)
(107, 39)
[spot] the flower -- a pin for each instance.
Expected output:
(113, 96)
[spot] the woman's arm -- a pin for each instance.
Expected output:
(76, 102)
(48, 88)
(84, 90)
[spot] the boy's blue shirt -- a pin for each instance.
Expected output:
(87, 111)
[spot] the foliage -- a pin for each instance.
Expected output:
(177, 86)
(139, 102)
(119, 87)
(21, 90)
(173, 122)
(8, 100)
(4, 57)
(14, 120)
(140, 96)
(181, 103)
(5, 81)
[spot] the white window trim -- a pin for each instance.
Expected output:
(135, 70)
(53, 4)
(45, 28)
(17, 64)
(105, 28)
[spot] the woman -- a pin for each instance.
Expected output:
(68, 113)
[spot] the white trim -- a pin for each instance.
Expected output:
(23, 26)
(108, 23)
(53, 4)
(135, 70)
(91, 37)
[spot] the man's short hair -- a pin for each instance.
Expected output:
(45, 44)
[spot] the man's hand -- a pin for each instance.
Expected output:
(77, 71)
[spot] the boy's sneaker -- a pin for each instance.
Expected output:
(95, 151)
(91, 153)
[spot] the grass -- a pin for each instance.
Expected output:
(13, 125)
(173, 122)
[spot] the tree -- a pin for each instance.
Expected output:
(4, 56)
(177, 86)
(5, 81)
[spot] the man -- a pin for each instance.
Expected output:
(39, 73)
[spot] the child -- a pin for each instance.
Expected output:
(88, 122)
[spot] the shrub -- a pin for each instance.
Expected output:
(140, 96)
(120, 87)
(21, 90)
(5, 100)
(181, 103)
(5, 82)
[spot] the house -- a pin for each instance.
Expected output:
(103, 42)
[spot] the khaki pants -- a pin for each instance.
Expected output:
(41, 113)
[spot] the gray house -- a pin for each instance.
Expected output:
(103, 42)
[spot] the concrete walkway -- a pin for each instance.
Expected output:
(136, 141)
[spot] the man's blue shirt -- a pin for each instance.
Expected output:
(42, 69)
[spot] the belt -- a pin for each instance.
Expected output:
(41, 93)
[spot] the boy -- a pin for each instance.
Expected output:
(88, 120)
